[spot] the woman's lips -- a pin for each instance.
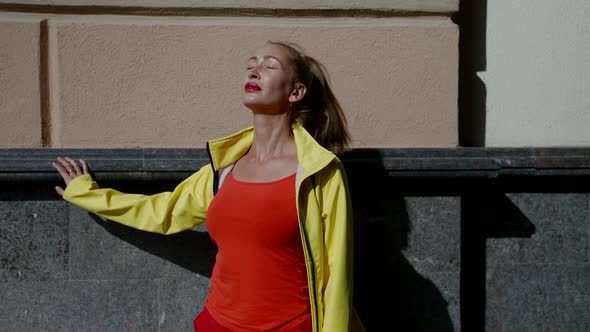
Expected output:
(252, 87)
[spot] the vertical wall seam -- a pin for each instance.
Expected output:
(53, 85)
(44, 93)
(48, 84)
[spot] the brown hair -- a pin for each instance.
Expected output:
(319, 111)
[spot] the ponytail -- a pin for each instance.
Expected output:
(319, 111)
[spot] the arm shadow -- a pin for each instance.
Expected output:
(192, 250)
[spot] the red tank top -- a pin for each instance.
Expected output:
(259, 281)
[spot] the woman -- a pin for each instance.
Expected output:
(276, 202)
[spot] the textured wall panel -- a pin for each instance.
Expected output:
(34, 240)
(146, 83)
(540, 281)
(180, 301)
(537, 73)
(561, 227)
(20, 110)
(82, 305)
(531, 297)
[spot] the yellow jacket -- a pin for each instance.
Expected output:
(323, 207)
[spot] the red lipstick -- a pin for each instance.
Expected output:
(252, 87)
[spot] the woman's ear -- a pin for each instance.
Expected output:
(297, 93)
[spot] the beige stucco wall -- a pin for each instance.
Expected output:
(19, 83)
(130, 81)
(538, 73)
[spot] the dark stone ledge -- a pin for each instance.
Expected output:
(175, 164)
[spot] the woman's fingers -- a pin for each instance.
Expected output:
(63, 171)
(69, 169)
(59, 190)
(74, 166)
(64, 164)
(84, 166)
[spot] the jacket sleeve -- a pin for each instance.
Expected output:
(338, 241)
(165, 213)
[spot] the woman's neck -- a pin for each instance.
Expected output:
(272, 137)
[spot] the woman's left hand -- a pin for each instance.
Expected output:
(69, 170)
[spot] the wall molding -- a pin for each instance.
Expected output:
(399, 11)
(176, 164)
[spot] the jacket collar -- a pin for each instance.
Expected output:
(225, 151)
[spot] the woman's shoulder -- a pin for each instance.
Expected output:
(333, 171)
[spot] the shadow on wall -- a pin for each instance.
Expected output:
(485, 214)
(390, 295)
(471, 20)
(192, 250)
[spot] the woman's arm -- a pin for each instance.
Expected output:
(165, 213)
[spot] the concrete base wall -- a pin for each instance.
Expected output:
(540, 281)
(64, 269)
(468, 251)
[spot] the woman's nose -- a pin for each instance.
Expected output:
(253, 73)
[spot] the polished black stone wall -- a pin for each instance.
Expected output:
(446, 240)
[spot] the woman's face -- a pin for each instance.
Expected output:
(268, 81)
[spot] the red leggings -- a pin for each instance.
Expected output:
(206, 323)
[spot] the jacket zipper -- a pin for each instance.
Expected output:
(215, 172)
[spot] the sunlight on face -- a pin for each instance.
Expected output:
(268, 80)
